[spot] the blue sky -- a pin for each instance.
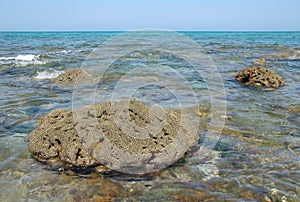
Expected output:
(136, 14)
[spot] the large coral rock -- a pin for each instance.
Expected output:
(260, 76)
(76, 136)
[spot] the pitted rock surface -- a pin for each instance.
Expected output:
(75, 141)
(56, 137)
(260, 76)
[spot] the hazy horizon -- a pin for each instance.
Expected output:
(224, 31)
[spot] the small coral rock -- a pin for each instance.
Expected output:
(70, 77)
(260, 76)
(260, 62)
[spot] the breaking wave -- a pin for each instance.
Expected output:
(48, 74)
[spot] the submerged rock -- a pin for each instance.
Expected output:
(260, 76)
(71, 77)
(260, 62)
(292, 54)
(81, 76)
(77, 136)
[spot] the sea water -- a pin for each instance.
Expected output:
(257, 156)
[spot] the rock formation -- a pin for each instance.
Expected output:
(290, 54)
(260, 62)
(260, 76)
(75, 137)
(56, 137)
(71, 76)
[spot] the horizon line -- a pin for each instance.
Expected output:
(150, 30)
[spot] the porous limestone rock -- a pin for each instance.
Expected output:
(76, 136)
(260, 76)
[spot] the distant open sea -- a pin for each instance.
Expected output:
(256, 159)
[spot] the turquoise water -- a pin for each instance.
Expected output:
(256, 158)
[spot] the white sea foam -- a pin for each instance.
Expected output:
(26, 57)
(48, 74)
(7, 58)
(29, 57)
(66, 51)
(70, 51)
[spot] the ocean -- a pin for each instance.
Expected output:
(256, 157)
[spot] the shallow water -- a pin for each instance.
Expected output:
(257, 155)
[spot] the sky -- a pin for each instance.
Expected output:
(124, 15)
